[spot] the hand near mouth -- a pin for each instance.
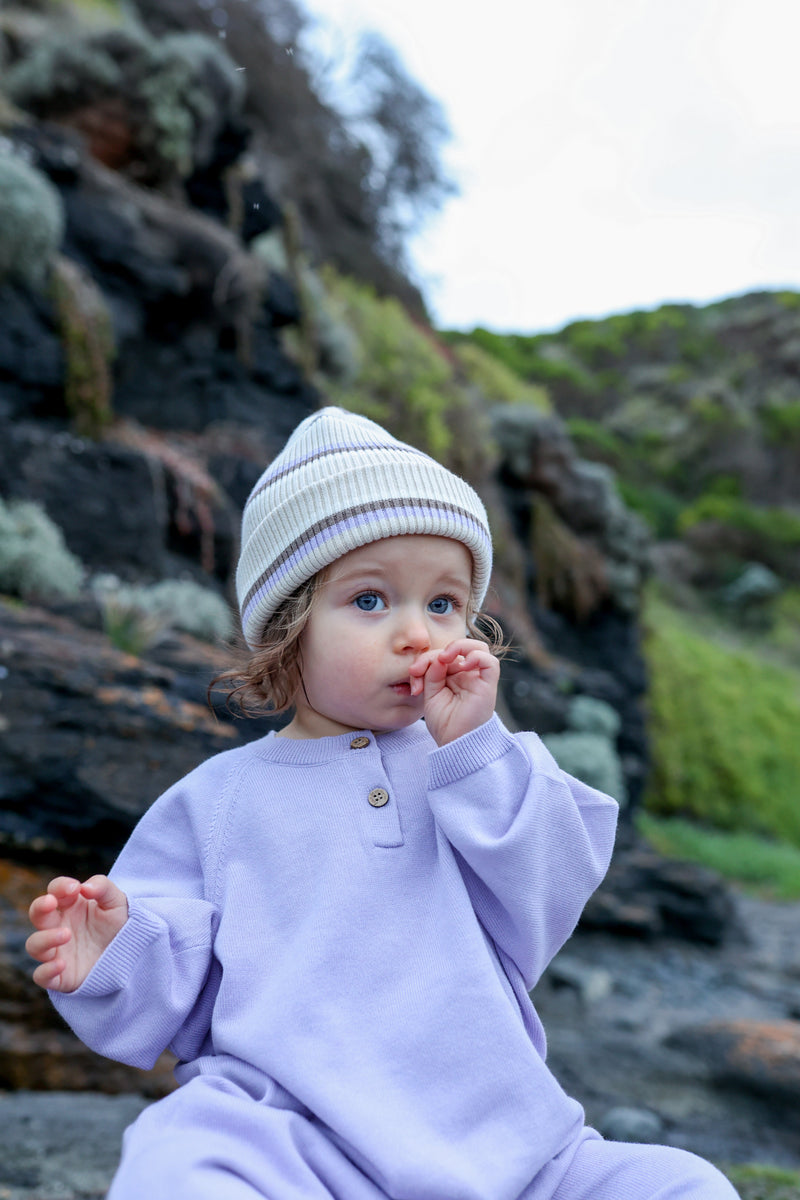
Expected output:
(459, 686)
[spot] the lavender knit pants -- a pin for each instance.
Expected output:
(210, 1141)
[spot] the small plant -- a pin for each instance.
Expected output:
(135, 617)
(178, 89)
(88, 341)
(31, 220)
(34, 560)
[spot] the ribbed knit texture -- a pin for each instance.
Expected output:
(347, 986)
(367, 965)
(341, 482)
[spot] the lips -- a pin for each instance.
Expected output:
(402, 689)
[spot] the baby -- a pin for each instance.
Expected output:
(336, 927)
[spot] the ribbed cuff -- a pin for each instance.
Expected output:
(469, 753)
(113, 968)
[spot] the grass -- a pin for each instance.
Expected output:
(769, 868)
(723, 723)
(764, 1183)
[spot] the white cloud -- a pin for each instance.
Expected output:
(612, 153)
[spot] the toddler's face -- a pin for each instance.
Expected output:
(380, 607)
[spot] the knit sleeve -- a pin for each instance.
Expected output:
(533, 842)
(153, 987)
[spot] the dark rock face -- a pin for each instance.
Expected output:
(89, 738)
(762, 1057)
(193, 324)
(646, 896)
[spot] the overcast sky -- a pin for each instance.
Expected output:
(611, 154)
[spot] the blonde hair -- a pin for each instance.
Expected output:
(269, 676)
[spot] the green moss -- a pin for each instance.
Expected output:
(781, 422)
(766, 867)
(755, 1182)
(88, 341)
(596, 440)
(777, 526)
(723, 725)
(659, 508)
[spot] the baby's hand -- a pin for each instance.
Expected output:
(74, 922)
(459, 685)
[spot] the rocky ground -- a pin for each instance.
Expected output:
(622, 1015)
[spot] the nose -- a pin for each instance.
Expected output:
(412, 632)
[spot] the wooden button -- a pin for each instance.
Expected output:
(358, 743)
(378, 797)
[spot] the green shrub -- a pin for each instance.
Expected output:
(34, 560)
(595, 440)
(496, 382)
(403, 379)
(659, 508)
(723, 727)
(135, 616)
(167, 83)
(177, 95)
(776, 526)
(31, 221)
(782, 422)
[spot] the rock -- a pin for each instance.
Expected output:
(91, 736)
(88, 738)
(31, 358)
(762, 1057)
(104, 498)
(621, 1124)
(590, 983)
(60, 1146)
(645, 895)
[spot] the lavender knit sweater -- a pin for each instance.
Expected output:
(363, 960)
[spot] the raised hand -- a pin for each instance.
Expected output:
(459, 685)
(74, 923)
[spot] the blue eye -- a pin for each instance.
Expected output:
(442, 606)
(369, 602)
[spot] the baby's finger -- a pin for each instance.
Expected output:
(474, 661)
(44, 912)
(65, 889)
(463, 646)
(44, 945)
(48, 975)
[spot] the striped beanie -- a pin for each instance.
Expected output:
(340, 482)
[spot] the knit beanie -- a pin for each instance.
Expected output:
(340, 482)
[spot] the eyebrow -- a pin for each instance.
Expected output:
(377, 573)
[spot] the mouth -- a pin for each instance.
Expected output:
(401, 689)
